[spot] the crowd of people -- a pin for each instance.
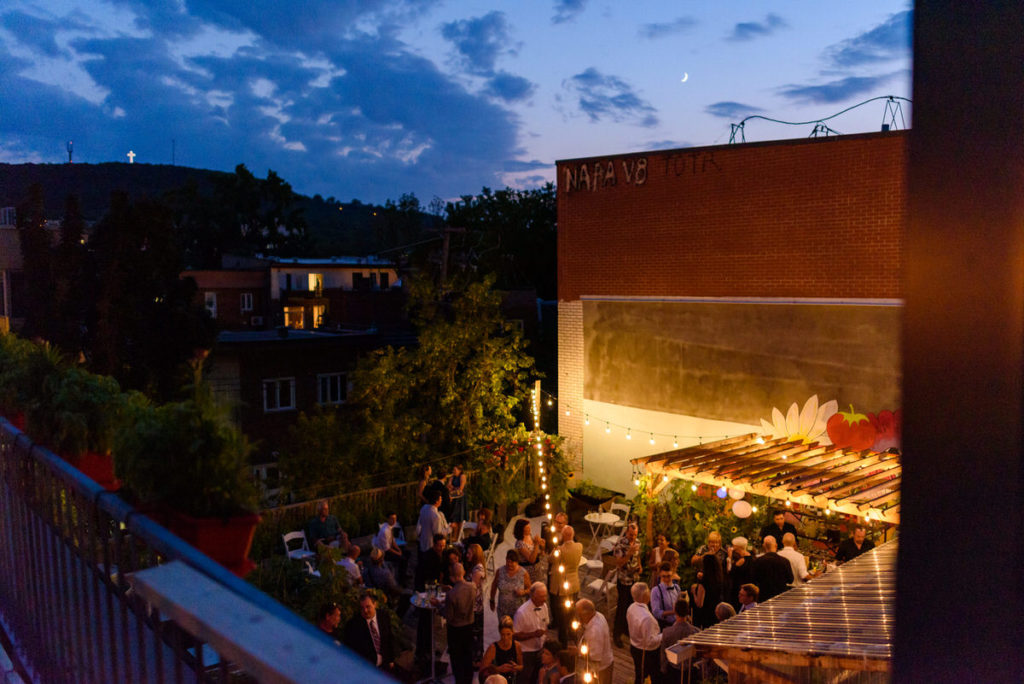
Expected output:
(544, 625)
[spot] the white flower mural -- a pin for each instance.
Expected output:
(806, 425)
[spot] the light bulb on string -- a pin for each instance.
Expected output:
(694, 486)
(568, 602)
(550, 403)
(567, 412)
(586, 421)
(608, 428)
(628, 434)
(588, 677)
(675, 442)
(583, 648)
(575, 624)
(651, 440)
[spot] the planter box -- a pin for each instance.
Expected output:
(98, 467)
(226, 541)
(16, 418)
(581, 504)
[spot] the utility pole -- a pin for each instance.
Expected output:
(444, 252)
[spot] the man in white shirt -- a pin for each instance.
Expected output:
(349, 563)
(795, 558)
(431, 521)
(531, 625)
(598, 640)
(644, 635)
(393, 552)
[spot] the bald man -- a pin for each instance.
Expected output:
(771, 572)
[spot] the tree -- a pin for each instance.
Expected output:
(511, 233)
(70, 301)
(460, 388)
(37, 263)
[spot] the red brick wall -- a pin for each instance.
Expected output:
(798, 218)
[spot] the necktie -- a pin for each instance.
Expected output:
(375, 635)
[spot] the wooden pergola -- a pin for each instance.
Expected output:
(838, 626)
(861, 483)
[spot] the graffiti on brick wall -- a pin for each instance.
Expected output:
(681, 163)
(594, 176)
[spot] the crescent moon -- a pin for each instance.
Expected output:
(685, 76)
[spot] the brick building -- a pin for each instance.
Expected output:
(699, 288)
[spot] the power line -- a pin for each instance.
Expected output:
(893, 108)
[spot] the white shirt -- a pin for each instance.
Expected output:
(385, 536)
(431, 522)
(529, 618)
(644, 632)
(352, 568)
(797, 561)
(599, 642)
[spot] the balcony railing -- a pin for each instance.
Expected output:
(91, 590)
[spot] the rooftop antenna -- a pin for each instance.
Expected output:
(71, 147)
(738, 128)
(892, 108)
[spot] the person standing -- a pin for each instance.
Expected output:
(458, 605)
(564, 582)
(771, 572)
(432, 521)
(531, 626)
(671, 635)
(597, 639)
(778, 527)
(664, 597)
(428, 572)
(707, 591)
(457, 493)
(854, 546)
(627, 557)
(739, 568)
(370, 636)
(796, 559)
(644, 635)
(511, 583)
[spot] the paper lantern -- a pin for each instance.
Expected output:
(741, 509)
(735, 494)
(721, 493)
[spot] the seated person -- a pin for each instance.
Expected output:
(387, 540)
(351, 566)
(377, 575)
(481, 536)
(323, 528)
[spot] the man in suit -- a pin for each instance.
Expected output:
(771, 572)
(369, 636)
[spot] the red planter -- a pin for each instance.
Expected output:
(16, 418)
(226, 541)
(99, 467)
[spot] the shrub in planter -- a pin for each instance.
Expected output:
(76, 414)
(187, 459)
(24, 370)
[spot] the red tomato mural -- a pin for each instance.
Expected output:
(852, 430)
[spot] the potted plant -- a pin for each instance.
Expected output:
(586, 496)
(187, 460)
(76, 414)
(24, 367)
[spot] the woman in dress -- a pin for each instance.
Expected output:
(511, 584)
(477, 575)
(425, 472)
(457, 491)
(656, 556)
(505, 656)
(531, 551)
(707, 591)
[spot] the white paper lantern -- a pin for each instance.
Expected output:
(741, 509)
(736, 494)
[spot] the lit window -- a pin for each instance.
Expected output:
(316, 282)
(246, 301)
(210, 300)
(318, 315)
(293, 316)
(278, 395)
(332, 388)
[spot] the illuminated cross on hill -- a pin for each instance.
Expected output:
(131, 157)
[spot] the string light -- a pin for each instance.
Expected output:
(652, 438)
(628, 435)
(586, 421)
(608, 428)
(675, 442)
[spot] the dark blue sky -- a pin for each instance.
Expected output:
(372, 98)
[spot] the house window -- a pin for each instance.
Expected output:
(278, 395)
(332, 388)
(384, 281)
(210, 299)
(358, 281)
(318, 315)
(316, 282)
(246, 302)
(293, 317)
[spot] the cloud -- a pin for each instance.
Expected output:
(660, 30)
(566, 10)
(516, 166)
(33, 32)
(663, 145)
(889, 40)
(608, 97)
(748, 30)
(509, 87)
(731, 110)
(836, 91)
(479, 41)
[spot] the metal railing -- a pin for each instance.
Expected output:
(68, 554)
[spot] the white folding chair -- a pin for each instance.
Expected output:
(489, 553)
(618, 508)
(300, 553)
(599, 587)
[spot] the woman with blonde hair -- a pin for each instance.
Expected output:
(505, 656)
